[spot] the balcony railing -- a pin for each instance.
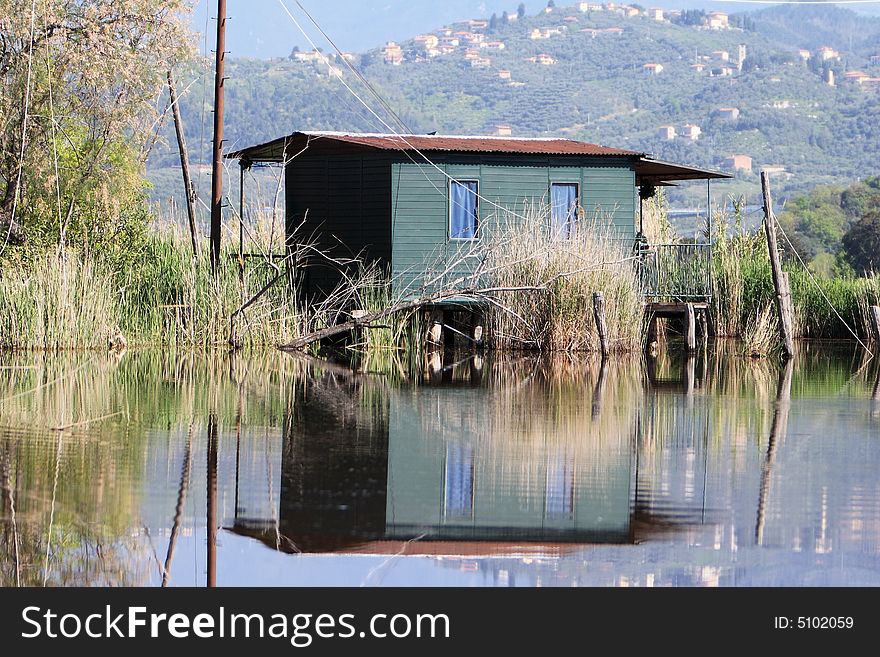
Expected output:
(676, 272)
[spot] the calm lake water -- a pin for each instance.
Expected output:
(518, 472)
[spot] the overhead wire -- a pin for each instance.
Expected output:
(821, 291)
(388, 127)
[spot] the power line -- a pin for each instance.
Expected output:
(396, 134)
(819, 287)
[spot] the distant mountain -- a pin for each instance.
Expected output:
(813, 26)
(627, 77)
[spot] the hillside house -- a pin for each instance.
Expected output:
(653, 68)
(504, 74)
(503, 130)
(545, 59)
(310, 56)
(655, 13)
(827, 53)
(427, 41)
(721, 55)
(804, 54)
(717, 20)
(393, 53)
(738, 163)
(691, 131)
(666, 132)
(375, 195)
(727, 113)
(856, 76)
(721, 71)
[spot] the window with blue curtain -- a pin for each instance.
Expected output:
(560, 487)
(459, 482)
(463, 213)
(564, 207)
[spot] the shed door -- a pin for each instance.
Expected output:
(564, 206)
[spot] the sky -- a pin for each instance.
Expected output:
(262, 29)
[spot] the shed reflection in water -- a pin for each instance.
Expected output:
(687, 471)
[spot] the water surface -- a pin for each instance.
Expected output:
(714, 471)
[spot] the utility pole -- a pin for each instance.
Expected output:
(217, 168)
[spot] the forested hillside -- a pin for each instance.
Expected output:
(583, 74)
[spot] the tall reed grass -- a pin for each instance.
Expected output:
(554, 279)
(159, 295)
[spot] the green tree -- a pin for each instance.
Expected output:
(521, 10)
(862, 242)
(78, 113)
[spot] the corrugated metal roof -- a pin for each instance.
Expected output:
(455, 143)
(448, 143)
(648, 170)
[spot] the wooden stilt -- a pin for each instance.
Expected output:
(690, 369)
(601, 328)
(690, 329)
(434, 334)
(703, 319)
(434, 366)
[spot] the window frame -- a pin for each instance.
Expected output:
(449, 235)
(577, 208)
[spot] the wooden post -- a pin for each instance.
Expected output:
(476, 370)
(778, 431)
(689, 376)
(875, 317)
(188, 185)
(598, 390)
(217, 166)
(433, 366)
(690, 328)
(703, 320)
(601, 328)
(476, 329)
(211, 519)
(780, 278)
(651, 339)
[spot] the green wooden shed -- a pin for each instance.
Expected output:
(412, 202)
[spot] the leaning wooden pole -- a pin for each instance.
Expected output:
(217, 166)
(780, 278)
(188, 185)
(601, 326)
